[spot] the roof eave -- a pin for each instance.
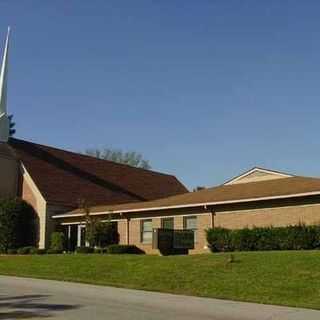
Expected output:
(193, 205)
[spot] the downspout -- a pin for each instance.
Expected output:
(213, 214)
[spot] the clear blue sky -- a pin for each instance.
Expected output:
(204, 89)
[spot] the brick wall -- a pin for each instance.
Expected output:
(28, 195)
(276, 213)
(122, 231)
(263, 217)
(33, 197)
(203, 222)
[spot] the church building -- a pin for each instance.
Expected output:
(138, 201)
(54, 181)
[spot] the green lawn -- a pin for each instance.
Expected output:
(284, 278)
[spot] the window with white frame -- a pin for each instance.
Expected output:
(190, 223)
(146, 231)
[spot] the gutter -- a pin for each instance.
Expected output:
(215, 203)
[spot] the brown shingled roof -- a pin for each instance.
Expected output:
(250, 191)
(65, 177)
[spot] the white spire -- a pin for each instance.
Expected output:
(4, 121)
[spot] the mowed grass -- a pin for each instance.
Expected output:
(283, 278)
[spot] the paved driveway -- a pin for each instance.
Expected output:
(22, 298)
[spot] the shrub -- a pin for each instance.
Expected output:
(122, 249)
(85, 250)
(41, 251)
(300, 237)
(18, 224)
(57, 242)
(53, 251)
(33, 250)
(26, 250)
(100, 250)
(100, 233)
(12, 251)
(219, 239)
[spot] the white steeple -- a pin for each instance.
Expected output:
(4, 120)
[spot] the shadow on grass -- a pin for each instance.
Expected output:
(29, 307)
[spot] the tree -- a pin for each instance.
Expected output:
(99, 233)
(12, 126)
(57, 242)
(130, 158)
(18, 224)
(198, 188)
(105, 234)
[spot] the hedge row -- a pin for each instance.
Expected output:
(112, 249)
(300, 237)
(29, 250)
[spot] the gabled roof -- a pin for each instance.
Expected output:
(257, 174)
(225, 194)
(64, 177)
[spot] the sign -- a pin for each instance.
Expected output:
(168, 240)
(183, 239)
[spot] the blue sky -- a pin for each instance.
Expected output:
(204, 89)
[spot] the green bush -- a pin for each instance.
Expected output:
(219, 239)
(85, 250)
(12, 251)
(100, 250)
(27, 250)
(57, 242)
(122, 249)
(33, 250)
(299, 237)
(54, 251)
(101, 234)
(41, 251)
(18, 224)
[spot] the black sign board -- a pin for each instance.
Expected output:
(183, 239)
(167, 240)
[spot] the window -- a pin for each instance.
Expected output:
(167, 223)
(190, 223)
(146, 231)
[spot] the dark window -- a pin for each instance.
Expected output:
(167, 223)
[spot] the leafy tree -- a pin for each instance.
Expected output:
(12, 125)
(130, 158)
(18, 224)
(98, 233)
(105, 234)
(198, 188)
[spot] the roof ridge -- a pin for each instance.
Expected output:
(95, 158)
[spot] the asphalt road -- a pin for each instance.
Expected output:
(22, 298)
